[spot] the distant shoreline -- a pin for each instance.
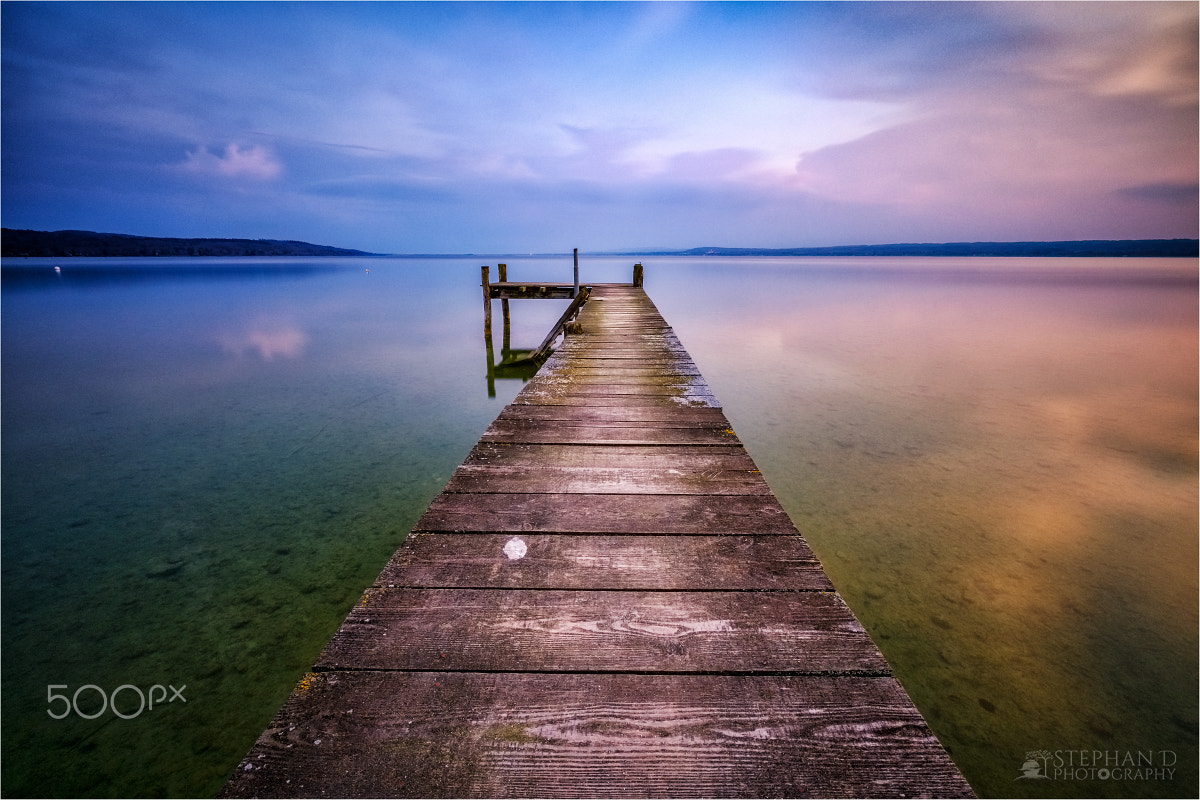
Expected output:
(1097, 248)
(68, 244)
(17, 243)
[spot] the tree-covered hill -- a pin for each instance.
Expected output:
(88, 243)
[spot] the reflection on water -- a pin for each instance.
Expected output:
(199, 479)
(997, 470)
(514, 364)
(1000, 478)
(267, 339)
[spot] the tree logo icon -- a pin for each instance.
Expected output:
(1035, 765)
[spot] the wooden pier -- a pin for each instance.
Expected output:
(605, 601)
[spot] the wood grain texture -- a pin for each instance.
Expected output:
(483, 479)
(680, 400)
(446, 734)
(558, 432)
(628, 514)
(521, 630)
(607, 416)
(678, 458)
(572, 561)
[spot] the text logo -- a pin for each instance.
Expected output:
(125, 709)
(1099, 765)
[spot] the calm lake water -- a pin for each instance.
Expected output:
(205, 462)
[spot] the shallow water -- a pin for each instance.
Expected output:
(203, 469)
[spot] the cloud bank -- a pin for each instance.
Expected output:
(462, 127)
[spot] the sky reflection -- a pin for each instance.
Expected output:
(1001, 479)
(998, 474)
(267, 339)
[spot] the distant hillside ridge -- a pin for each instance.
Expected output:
(1091, 248)
(64, 244)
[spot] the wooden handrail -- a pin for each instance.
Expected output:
(573, 309)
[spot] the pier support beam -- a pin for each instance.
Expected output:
(487, 302)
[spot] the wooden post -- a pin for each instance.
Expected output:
(637, 274)
(487, 302)
(504, 345)
(575, 291)
(503, 270)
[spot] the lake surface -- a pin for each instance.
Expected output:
(205, 462)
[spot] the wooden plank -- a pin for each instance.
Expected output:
(681, 458)
(583, 513)
(659, 417)
(617, 372)
(607, 469)
(683, 399)
(624, 380)
(445, 734)
(558, 432)
(682, 395)
(558, 561)
(605, 480)
(645, 386)
(615, 357)
(518, 630)
(530, 290)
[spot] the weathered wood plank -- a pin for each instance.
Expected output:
(558, 561)
(664, 386)
(558, 432)
(545, 392)
(584, 513)
(576, 348)
(445, 734)
(658, 384)
(607, 469)
(611, 357)
(518, 630)
(514, 290)
(673, 369)
(684, 459)
(658, 416)
(605, 480)
(682, 400)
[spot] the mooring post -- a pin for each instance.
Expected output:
(503, 270)
(487, 302)
(637, 274)
(575, 291)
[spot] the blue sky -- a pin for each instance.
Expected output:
(538, 127)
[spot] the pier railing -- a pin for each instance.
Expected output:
(504, 290)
